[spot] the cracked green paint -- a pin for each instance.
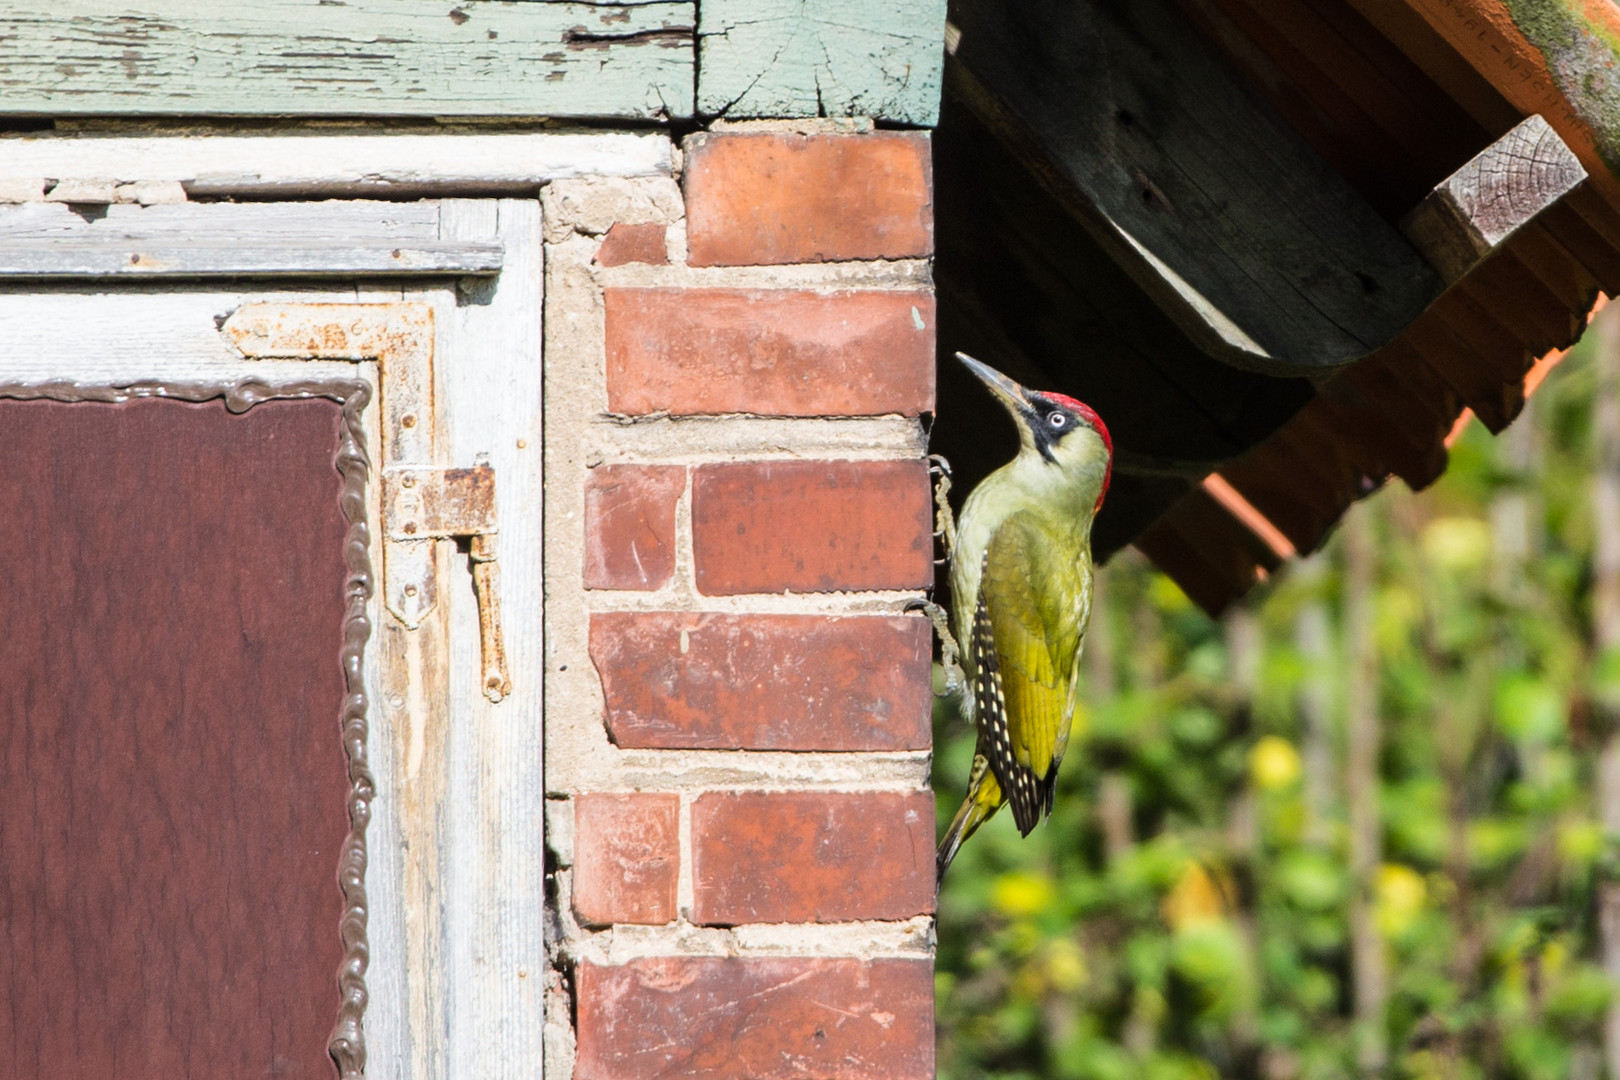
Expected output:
(1584, 59)
(347, 57)
(800, 58)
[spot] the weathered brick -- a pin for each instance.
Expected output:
(812, 856)
(633, 243)
(775, 352)
(766, 1018)
(688, 680)
(630, 525)
(811, 526)
(765, 198)
(627, 858)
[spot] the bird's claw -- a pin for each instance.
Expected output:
(949, 652)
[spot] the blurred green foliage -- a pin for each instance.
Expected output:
(1185, 913)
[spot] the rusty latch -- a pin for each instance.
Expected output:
(427, 504)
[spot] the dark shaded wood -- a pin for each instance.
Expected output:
(1301, 479)
(1562, 274)
(1145, 136)
(1404, 26)
(1531, 313)
(1473, 353)
(1398, 386)
(1593, 252)
(173, 785)
(1376, 117)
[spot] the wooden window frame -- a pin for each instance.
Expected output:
(468, 997)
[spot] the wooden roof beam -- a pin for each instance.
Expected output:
(1218, 210)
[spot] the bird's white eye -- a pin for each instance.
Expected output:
(1058, 421)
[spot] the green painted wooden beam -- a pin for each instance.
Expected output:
(792, 58)
(347, 57)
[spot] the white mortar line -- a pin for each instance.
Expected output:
(710, 439)
(685, 883)
(867, 940)
(680, 596)
(908, 275)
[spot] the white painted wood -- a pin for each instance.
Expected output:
(111, 259)
(322, 239)
(151, 333)
(336, 164)
(310, 223)
(489, 395)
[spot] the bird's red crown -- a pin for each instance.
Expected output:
(1089, 415)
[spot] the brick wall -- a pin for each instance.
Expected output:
(737, 712)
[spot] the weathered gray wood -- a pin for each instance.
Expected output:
(489, 398)
(334, 165)
(828, 58)
(1483, 203)
(358, 57)
(1216, 208)
(329, 239)
(358, 221)
(92, 258)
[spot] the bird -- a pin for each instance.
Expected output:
(1021, 586)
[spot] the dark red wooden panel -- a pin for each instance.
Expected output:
(172, 781)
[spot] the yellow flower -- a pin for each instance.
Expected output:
(1580, 841)
(1457, 543)
(1195, 898)
(1065, 965)
(1274, 763)
(1401, 895)
(1020, 894)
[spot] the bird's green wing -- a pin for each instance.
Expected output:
(1034, 597)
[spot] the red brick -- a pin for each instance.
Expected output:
(812, 856)
(766, 1018)
(633, 243)
(774, 352)
(685, 680)
(630, 525)
(762, 198)
(627, 858)
(812, 526)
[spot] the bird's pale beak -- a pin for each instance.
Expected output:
(1015, 397)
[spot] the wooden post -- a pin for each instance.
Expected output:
(1606, 636)
(1361, 783)
(1114, 787)
(1245, 645)
(1313, 639)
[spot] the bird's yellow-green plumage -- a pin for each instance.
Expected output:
(1021, 577)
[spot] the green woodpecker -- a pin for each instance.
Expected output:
(1021, 588)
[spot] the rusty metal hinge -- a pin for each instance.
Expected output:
(422, 505)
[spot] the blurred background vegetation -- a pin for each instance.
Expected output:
(1353, 828)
